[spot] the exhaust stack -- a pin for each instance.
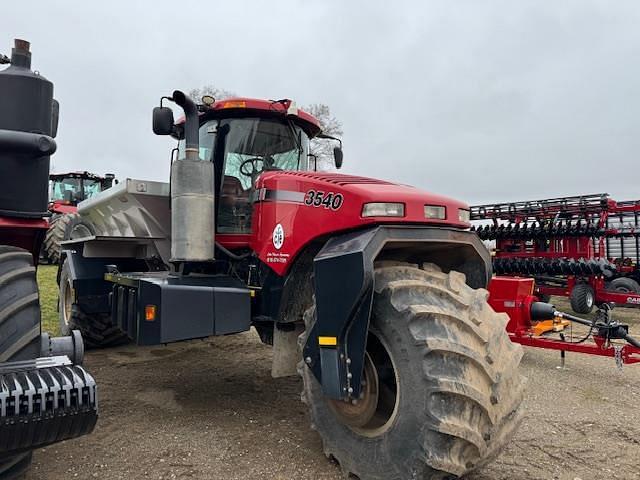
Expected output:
(192, 195)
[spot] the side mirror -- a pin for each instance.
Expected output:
(337, 157)
(109, 178)
(162, 121)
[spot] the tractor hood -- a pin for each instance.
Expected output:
(358, 191)
(294, 208)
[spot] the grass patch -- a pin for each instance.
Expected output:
(49, 298)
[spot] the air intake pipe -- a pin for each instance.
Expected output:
(192, 195)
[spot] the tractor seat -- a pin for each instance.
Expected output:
(232, 193)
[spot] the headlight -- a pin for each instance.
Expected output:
(435, 212)
(464, 215)
(383, 210)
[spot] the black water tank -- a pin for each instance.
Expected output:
(28, 123)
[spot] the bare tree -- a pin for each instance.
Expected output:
(322, 148)
(218, 93)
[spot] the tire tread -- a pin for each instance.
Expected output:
(471, 412)
(19, 328)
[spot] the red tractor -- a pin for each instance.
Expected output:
(45, 395)
(373, 292)
(66, 190)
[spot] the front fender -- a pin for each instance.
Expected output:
(344, 286)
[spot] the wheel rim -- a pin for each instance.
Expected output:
(589, 299)
(67, 298)
(375, 412)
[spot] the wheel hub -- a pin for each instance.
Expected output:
(358, 413)
(67, 298)
(375, 411)
(589, 299)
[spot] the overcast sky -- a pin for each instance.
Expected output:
(480, 100)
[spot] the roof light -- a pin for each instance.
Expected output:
(235, 104)
(380, 209)
(293, 108)
(435, 212)
(464, 215)
(208, 100)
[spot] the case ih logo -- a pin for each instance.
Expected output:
(278, 237)
(635, 300)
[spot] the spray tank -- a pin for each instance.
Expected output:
(28, 123)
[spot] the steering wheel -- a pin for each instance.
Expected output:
(254, 171)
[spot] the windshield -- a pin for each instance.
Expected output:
(74, 190)
(91, 187)
(254, 145)
(274, 142)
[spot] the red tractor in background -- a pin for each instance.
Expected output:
(66, 190)
(45, 395)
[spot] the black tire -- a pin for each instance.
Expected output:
(624, 285)
(97, 329)
(19, 328)
(457, 395)
(16, 467)
(582, 298)
(60, 227)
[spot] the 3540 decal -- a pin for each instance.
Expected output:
(329, 200)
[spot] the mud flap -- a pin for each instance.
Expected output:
(285, 351)
(43, 401)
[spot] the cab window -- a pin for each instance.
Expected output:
(253, 146)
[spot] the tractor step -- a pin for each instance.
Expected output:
(44, 401)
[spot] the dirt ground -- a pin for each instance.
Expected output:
(210, 410)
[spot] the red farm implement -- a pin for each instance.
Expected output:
(584, 247)
(536, 324)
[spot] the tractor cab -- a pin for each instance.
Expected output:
(71, 188)
(243, 138)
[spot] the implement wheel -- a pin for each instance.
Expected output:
(60, 227)
(582, 298)
(96, 328)
(441, 390)
(625, 285)
(19, 328)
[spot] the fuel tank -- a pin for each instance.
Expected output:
(28, 123)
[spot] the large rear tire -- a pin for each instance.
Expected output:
(60, 227)
(446, 378)
(97, 329)
(19, 328)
